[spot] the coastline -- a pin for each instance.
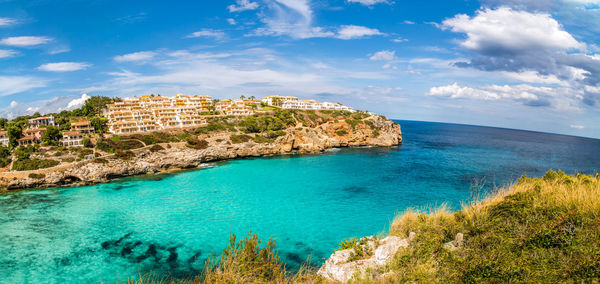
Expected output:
(172, 157)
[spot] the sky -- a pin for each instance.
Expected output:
(522, 64)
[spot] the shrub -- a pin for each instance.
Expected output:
(341, 132)
(124, 155)
(117, 144)
(197, 144)
(33, 164)
(5, 162)
(212, 127)
(246, 262)
(100, 161)
(68, 160)
(353, 123)
(156, 148)
(236, 139)
(348, 243)
(36, 176)
(87, 142)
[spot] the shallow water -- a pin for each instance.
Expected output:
(172, 223)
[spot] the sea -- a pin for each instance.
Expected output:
(171, 224)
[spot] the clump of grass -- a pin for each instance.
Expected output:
(539, 230)
(341, 132)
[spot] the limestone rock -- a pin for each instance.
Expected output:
(338, 267)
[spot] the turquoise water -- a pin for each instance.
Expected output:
(172, 223)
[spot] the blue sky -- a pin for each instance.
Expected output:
(519, 64)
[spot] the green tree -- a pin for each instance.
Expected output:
(94, 105)
(3, 122)
(99, 124)
(51, 135)
(63, 122)
(87, 142)
(14, 133)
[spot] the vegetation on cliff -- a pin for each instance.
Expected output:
(538, 230)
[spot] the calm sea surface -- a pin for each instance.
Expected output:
(172, 223)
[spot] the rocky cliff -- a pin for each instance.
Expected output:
(372, 131)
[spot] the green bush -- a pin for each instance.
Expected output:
(197, 144)
(5, 162)
(212, 127)
(353, 123)
(117, 144)
(124, 155)
(341, 132)
(87, 142)
(156, 148)
(246, 262)
(236, 139)
(280, 120)
(33, 164)
(37, 176)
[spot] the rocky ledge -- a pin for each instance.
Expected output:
(368, 255)
(373, 131)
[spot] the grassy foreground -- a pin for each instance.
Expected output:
(538, 230)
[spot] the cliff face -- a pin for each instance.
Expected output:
(372, 131)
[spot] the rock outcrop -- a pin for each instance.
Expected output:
(373, 131)
(340, 266)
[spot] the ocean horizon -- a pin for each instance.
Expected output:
(170, 224)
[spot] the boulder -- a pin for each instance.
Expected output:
(338, 267)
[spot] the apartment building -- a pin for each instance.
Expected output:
(72, 139)
(41, 121)
(150, 113)
(235, 107)
(274, 100)
(83, 126)
(3, 138)
(288, 102)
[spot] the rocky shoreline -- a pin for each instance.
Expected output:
(374, 131)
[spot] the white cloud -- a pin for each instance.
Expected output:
(10, 85)
(63, 66)
(136, 56)
(5, 53)
(577, 126)
(559, 98)
(78, 102)
(216, 34)
(369, 2)
(231, 21)
(7, 22)
(384, 55)
(243, 5)
(409, 22)
(45, 106)
(400, 39)
(25, 40)
(354, 32)
(508, 30)
(294, 18)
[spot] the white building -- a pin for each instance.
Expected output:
(41, 121)
(3, 138)
(72, 139)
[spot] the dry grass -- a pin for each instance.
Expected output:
(538, 230)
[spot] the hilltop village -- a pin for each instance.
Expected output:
(144, 114)
(104, 129)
